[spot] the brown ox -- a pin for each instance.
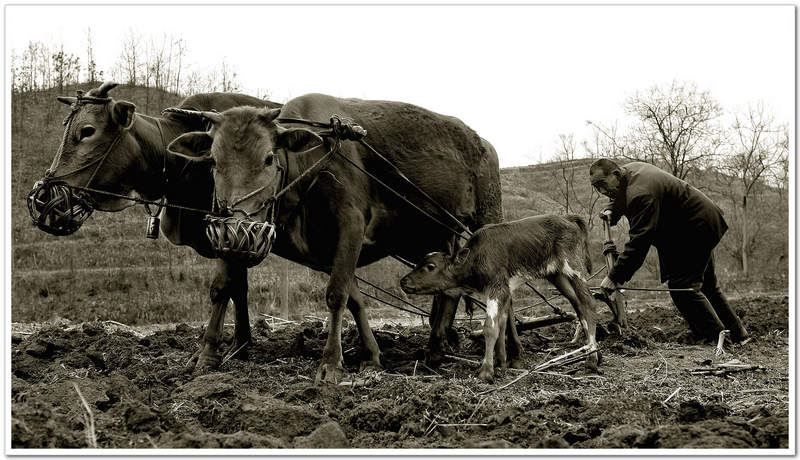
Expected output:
(138, 164)
(338, 218)
(498, 259)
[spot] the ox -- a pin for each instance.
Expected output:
(138, 165)
(499, 258)
(337, 218)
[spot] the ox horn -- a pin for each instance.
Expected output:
(103, 90)
(66, 99)
(214, 117)
(268, 114)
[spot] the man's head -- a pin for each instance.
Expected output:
(606, 177)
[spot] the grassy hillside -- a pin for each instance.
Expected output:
(109, 270)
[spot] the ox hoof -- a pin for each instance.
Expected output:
(515, 363)
(329, 373)
(486, 374)
(208, 362)
(370, 366)
(433, 359)
(592, 361)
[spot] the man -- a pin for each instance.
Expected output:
(684, 225)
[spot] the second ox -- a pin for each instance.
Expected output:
(337, 218)
(501, 257)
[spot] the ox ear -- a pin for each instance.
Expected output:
(191, 145)
(460, 256)
(122, 113)
(297, 139)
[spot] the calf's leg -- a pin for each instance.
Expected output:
(576, 292)
(501, 357)
(491, 331)
(514, 344)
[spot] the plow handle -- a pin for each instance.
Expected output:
(617, 301)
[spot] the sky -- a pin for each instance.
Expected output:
(519, 75)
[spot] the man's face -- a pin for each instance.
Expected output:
(607, 185)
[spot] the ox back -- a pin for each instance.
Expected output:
(439, 153)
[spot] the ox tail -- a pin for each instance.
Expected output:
(583, 239)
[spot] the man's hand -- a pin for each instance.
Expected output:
(608, 286)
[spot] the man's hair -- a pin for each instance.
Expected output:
(603, 165)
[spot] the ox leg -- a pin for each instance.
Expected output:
(356, 305)
(442, 314)
(576, 292)
(210, 353)
(348, 248)
(491, 331)
(242, 338)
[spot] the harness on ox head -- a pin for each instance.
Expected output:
(54, 205)
(249, 240)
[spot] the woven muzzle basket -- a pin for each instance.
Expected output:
(56, 209)
(242, 240)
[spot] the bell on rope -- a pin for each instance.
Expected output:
(153, 223)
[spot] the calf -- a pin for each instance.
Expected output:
(499, 258)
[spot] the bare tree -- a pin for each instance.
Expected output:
(607, 141)
(758, 147)
(66, 68)
(676, 127)
(91, 65)
(228, 76)
(130, 60)
(564, 172)
(180, 51)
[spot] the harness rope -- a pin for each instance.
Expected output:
(338, 130)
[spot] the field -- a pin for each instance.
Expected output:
(104, 321)
(140, 394)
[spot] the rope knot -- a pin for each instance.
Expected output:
(346, 128)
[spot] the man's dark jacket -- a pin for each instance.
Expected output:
(680, 221)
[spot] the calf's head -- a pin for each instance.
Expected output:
(438, 273)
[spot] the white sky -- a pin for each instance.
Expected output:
(518, 75)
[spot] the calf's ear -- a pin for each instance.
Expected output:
(191, 145)
(297, 139)
(461, 256)
(66, 99)
(122, 113)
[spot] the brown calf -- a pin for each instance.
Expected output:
(501, 257)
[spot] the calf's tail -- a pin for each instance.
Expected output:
(583, 239)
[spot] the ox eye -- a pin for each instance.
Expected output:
(430, 267)
(85, 132)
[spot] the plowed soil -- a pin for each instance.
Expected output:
(140, 394)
